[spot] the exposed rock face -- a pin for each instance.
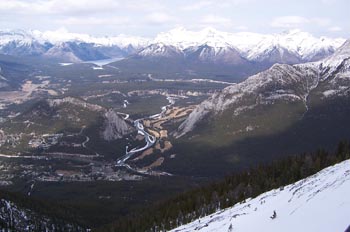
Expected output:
(114, 127)
(74, 101)
(3, 80)
(2, 135)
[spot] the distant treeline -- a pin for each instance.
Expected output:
(191, 205)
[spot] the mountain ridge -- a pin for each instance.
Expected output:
(280, 82)
(288, 47)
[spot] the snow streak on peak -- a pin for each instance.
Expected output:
(318, 203)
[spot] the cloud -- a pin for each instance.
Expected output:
(197, 6)
(59, 6)
(94, 21)
(298, 21)
(329, 2)
(335, 29)
(144, 5)
(18, 6)
(159, 18)
(241, 28)
(322, 22)
(81, 7)
(288, 21)
(230, 3)
(215, 20)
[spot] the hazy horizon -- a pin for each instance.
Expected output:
(147, 18)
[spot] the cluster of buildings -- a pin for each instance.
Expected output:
(45, 141)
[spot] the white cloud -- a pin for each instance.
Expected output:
(289, 21)
(328, 2)
(215, 20)
(149, 17)
(322, 22)
(335, 29)
(59, 6)
(94, 21)
(298, 21)
(230, 3)
(144, 5)
(241, 28)
(82, 6)
(159, 18)
(197, 6)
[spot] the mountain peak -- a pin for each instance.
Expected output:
(210, 30)
(339, 55)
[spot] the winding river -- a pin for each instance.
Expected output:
(149, 139)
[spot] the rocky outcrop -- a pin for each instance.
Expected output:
(114, 127)
(74, 101)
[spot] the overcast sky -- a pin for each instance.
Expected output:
(149, 17)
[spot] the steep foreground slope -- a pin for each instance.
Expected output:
(317, 203)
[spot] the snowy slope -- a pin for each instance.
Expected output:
(319, 203)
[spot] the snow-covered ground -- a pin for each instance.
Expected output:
(319, 203)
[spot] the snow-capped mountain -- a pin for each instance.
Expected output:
(62, 45)
(317, 203)
(223, 55)
(281, 83)
(288, 47)
(61, 36)
(160, 50)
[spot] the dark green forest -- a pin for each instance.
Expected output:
(189, 205)
(199, 202)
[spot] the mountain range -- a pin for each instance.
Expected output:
(292, 84)
(207, 45)
(284, 110)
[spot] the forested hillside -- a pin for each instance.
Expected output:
(203, 201)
